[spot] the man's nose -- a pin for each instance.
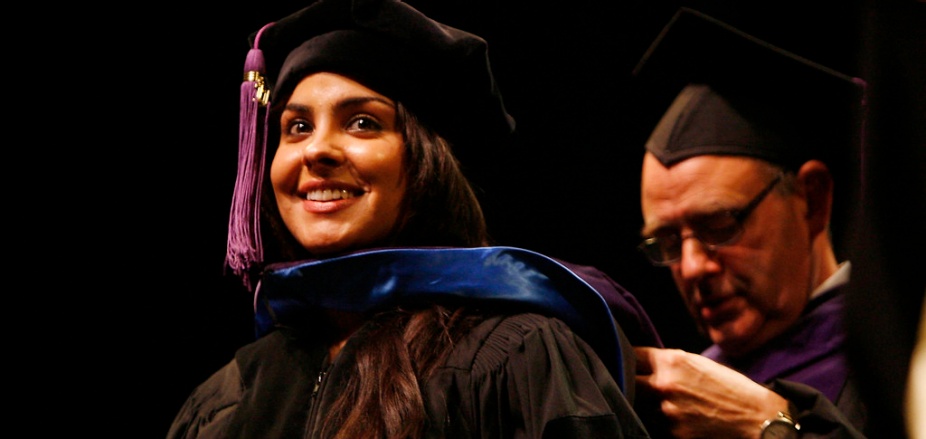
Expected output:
(696, 259)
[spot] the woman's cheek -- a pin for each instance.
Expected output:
(285, 168)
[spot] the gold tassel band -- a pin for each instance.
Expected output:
(262, 94)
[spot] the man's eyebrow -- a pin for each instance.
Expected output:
(659, 229)
(692, 219)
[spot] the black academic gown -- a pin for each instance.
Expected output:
(551, 363)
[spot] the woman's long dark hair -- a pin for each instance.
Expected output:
(382, 398)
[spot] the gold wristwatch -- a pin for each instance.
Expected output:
(781, 427)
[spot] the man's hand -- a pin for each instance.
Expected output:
(700, 398)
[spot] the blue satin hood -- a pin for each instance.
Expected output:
(381, 278)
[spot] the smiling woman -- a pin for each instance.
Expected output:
(338, 174)
(380, 307)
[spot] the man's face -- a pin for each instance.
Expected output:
(746, 291)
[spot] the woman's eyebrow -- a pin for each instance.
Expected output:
(298, 108)
(343, 103)
(361, 100)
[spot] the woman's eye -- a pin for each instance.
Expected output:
(364, 123)
(298, 127)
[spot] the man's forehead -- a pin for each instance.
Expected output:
(705, 169)
(697, 188)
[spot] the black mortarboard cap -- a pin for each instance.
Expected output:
(440, 73)
(736, 94)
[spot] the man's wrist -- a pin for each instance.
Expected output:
(782, 426)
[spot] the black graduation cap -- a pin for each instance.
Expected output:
(736, 94)
(440, 73)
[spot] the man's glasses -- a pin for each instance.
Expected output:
(714, 231)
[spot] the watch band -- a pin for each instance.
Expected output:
(782, 426)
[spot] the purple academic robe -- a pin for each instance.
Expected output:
(812, 352)
(808, 365)
(633, 319)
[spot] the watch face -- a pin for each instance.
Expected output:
(779, 429)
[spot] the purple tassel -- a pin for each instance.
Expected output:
(245, 250)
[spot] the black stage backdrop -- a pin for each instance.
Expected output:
(564, 70)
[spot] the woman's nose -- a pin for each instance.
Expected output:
(323, 151)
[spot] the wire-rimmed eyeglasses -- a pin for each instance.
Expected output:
(716, 231)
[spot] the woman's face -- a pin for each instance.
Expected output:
(338, 173)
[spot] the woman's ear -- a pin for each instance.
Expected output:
(816, 184)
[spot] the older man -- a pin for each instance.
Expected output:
(737, 193)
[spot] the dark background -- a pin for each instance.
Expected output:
(173, 318)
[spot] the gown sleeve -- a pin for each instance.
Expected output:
(529, 376)
(821, 419)
(265, 392)
(208, 410)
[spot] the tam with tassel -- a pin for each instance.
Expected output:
(245, 250)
